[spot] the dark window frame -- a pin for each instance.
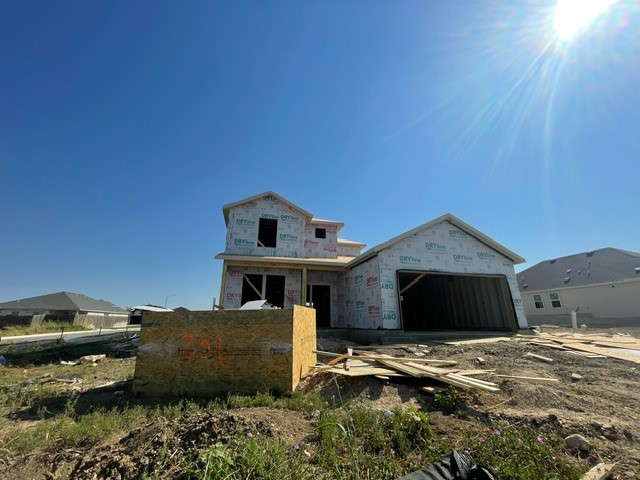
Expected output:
(321, 232)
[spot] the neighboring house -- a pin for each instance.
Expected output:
(443, 274)
(137, 312)
(65, 307)
(603, 285)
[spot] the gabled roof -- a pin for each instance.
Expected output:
(63, 301)
(514, 257)
(226, 208)
(152, 308)
(322, 221)
(344, 241)
(588, 268)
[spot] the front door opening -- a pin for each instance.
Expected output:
(274, 291)
(320, 297)
(445, 301)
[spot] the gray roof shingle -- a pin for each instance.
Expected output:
(588, 268)
(62, 301)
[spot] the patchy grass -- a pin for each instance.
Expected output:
(69, 430)
(296, 401)
(523, 452)
(45, 327)
(344, 441)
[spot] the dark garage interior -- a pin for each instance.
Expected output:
(447, 301)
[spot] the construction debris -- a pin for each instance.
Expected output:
(539, 357)
(620, 346)
(599, 472)
(362, 363)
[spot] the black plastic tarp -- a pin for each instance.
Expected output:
(454, 466)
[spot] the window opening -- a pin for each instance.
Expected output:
(267, 232)
(321, 233)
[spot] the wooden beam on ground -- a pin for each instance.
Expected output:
(417, 370)
(364, 371)
(607, 352)
(430, 361)
(432, 389)
(539, 357)
(478, 340)
(543, 380)
(599, 472)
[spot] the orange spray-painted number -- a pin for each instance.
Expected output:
(220, 358)
(187, 350)
(205, 348)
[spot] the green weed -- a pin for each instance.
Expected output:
(524, 453)
(447, 401)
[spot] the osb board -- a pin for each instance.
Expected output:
(304, 334)
(214, 353)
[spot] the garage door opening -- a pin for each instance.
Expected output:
(446, 301)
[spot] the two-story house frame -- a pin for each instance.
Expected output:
(443, 274)
(279, 252)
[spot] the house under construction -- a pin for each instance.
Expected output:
(443, 274)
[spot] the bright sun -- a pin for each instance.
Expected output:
(573, 16)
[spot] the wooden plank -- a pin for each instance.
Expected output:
(543, 380)
(478, 340)
(445, 376)
(429, 361)
(630, 346)
(539, 357)
(475, 372)
(363, 372)
(599, 472)
(606, 352)
(391, 346)
(432, 389)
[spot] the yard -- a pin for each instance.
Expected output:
(82, 421)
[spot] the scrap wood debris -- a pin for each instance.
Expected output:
(588, 345)
(592, 345)
(363, 363)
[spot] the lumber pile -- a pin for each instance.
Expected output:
(622, 347)
(356, 363)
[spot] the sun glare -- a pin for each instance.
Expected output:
(573, 16)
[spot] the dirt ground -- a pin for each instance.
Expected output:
(603, 406)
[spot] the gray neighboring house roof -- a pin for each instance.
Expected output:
(63, 301)
(588, 268)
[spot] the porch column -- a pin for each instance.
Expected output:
(303, 287)
(223, 284)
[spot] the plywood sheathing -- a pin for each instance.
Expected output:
(212, 353)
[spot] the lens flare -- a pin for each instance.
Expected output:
(573, 16)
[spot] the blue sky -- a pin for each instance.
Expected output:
(125, 126)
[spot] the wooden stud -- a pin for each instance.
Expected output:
(539, 357)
